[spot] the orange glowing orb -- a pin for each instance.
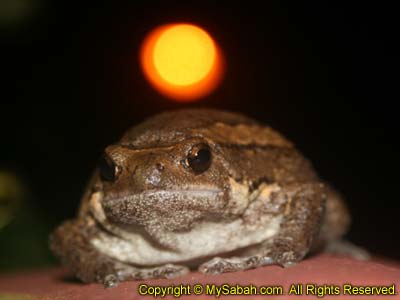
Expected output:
(181, 61)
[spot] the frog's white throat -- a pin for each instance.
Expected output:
(205, 239)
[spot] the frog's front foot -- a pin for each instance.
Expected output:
(219, 265)
(110, 281)
(287, 259)
(125, 273)
(164, 271)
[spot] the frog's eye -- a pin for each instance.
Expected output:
(108, 169)
(199, 158)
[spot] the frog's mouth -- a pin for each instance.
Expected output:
(181, 197)
(140, 208)
(173, 193)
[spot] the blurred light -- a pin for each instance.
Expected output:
(181, 61)
(14, 13)
(11, 196)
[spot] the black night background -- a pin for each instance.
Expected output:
(324, 74)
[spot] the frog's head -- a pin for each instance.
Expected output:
(181, 167)
(171, 185)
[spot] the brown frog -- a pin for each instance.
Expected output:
(204, 189)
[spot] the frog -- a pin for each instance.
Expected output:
(200, 189)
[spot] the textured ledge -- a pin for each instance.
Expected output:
(58, 284)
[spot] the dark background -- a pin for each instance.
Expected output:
(324, 74)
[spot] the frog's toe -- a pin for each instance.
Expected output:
(214, 266)
(288, 264)
(219, 265)
(287, 259)
(110, 281)
(170, 271)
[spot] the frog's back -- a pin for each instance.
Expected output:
(177, 124)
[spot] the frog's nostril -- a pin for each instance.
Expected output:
(160, 167)
(154, 175)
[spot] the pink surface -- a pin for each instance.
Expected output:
(58, 284)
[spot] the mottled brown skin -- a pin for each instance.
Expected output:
(152, 157)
